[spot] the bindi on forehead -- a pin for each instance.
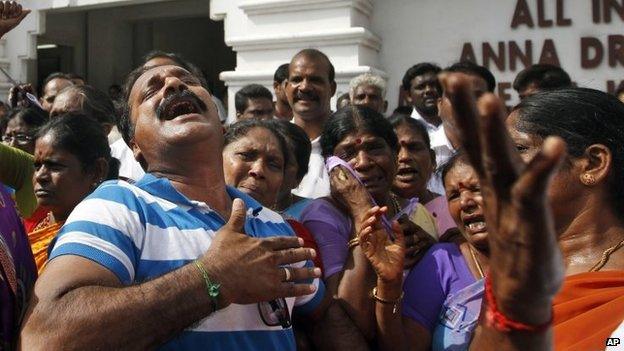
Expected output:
(358, 140)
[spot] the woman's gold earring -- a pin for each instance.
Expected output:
(588, 179)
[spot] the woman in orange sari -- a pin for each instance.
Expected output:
(72, 158)
(542, 207)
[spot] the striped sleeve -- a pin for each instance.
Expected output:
(105, 230)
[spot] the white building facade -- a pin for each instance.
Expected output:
(383, 36)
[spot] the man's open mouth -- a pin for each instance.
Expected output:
(181, 104)
(180, 107)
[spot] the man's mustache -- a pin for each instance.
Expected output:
(185, 95)
(304, 96)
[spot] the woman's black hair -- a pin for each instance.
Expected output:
(581, 117)
(352, 119)
(33, 116)
(456, 158)
(84, 138)
(399, 119)
(298, 140)
(241, 128)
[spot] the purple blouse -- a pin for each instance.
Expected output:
(441, 272)
(331, 230)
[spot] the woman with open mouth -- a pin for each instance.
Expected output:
(416, 164)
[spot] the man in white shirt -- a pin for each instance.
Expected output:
(309, 89)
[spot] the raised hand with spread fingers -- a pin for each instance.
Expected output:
(526, 267)
(11, 14)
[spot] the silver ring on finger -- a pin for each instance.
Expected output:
(288, 274)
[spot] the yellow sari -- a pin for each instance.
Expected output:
(40, 239)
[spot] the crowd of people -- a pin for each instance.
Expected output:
(138, 219)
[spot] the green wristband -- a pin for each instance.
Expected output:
(212, 288)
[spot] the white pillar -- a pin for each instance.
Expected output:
(267, 33)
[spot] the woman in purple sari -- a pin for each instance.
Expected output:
(17, 269)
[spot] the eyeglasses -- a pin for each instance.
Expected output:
(275, 312)
(20, 138)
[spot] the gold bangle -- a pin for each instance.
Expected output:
(395, 303)
(354, 242)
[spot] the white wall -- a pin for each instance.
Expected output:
(435, 30)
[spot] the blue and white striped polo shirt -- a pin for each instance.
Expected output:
(145, 230)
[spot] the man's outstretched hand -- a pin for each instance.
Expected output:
(11, 14)
(525, 261)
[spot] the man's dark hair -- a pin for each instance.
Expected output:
(95, 103)
(83, 137)
(124, 124)
(180, 61)
(281, 73)
(471, 68)
(315, 54)
(240, 129)
(356, 119)
(251, 91)
(298, 141)
(418, 70)
(544, 76)
(32, 116)
(581, 117)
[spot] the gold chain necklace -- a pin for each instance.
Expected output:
(474, 258)
(605, 256)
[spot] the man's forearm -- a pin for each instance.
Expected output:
(136, 317)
